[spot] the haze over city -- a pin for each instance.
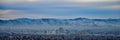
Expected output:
(59, 19)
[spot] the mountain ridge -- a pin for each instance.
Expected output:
(76, 21)
(84, 24)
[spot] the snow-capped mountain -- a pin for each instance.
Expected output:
(51, 23)
(79, 22)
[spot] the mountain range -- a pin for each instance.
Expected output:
(51, 23)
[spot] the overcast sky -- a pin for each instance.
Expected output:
(94, 9)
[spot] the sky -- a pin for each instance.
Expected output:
(93, 9)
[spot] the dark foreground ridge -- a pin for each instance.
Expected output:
(58, 37)
(13, 36)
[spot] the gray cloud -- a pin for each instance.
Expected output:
(109, 4)
(11, 9)
(13, 14)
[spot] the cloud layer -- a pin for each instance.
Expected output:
(10, 9)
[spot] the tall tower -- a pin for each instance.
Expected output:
(60, 31)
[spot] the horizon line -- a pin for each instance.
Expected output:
(59, 18)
